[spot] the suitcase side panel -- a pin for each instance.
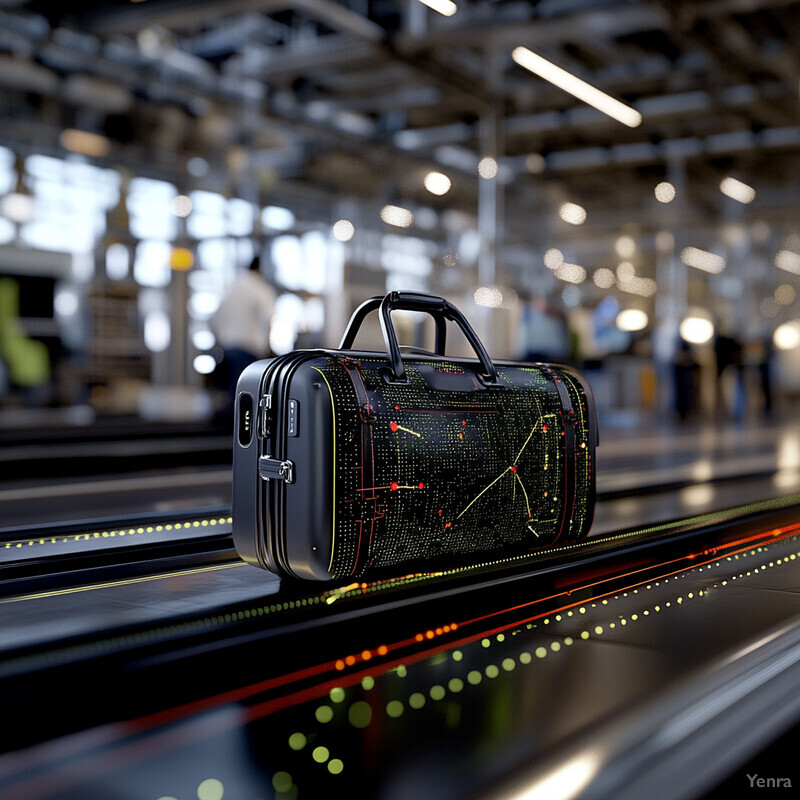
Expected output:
(246, 490)
(446, 467)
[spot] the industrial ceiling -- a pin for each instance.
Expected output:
(337, 108)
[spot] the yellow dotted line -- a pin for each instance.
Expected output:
(84, 537)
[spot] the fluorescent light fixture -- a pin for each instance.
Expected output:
(444, 7)
(577, 87)
(437, 183)
(571, 273)
(702, 259)
(737, 190)
(572, 213)
(397, 216)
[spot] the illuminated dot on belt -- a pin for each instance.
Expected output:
(359, 714)
(297, 741)
(474, 677)
(324, 714)
(211, 789)
(383, 650)
(598, 629)
(429, 634)
(540, 652)
(335, 766)
(367, 683)
(584, 635)
(350, 660)
(491, 671)
(508, 664)
(417, 700)
(282, 782)
(366, 655)
(394, 708)
(555, 646)
(525, 658)
(485, 643)
(437, 692)
(320, 754)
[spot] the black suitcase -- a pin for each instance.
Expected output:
(348, 462)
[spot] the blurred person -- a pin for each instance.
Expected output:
(241, 326)
(728, 352)
(544, 335)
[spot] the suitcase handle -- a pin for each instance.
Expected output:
(373, 304)
(437, 307)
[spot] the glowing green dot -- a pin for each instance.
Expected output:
(598, 629)
(491, 671)
(634, 617)
(335, 766)
(555, 646)
(367, 683)
(401, 671)
(282, 782)
(540, 652)
(485, 643)
(416, 700)
(500, 637)
(582, 610)
(359, 714)
(508, 664)
(455, 685)
(457, 655)
(394, 709)
(525, 658)
(474, 677)
(437, 692)
(568, 641)
(297, 741)
(324, 714)
(320, 754)
(584, 635)
(210, 789)
(337, 694)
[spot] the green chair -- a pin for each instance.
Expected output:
(27, 360)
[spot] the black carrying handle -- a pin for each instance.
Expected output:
(373, 304)
(439, 308)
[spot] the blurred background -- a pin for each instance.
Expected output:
(646, 230)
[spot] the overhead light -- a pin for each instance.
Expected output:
(397, 216)
(437, 183)
(665, 192)
(343, 230)
(553, 258)
(488, 296)
(571, 273)
(445, 7)
(632, 319)
(696, 330)
(572, 213)
(702, 259)
(603, 278)
(89, 144)
(625, 246)
(181, 206)
(737, 190)
(487, 168)
(787, 260)
(575, 86)
(787, 336)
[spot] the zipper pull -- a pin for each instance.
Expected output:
(275, 469)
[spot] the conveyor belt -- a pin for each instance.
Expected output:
(449, 686)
